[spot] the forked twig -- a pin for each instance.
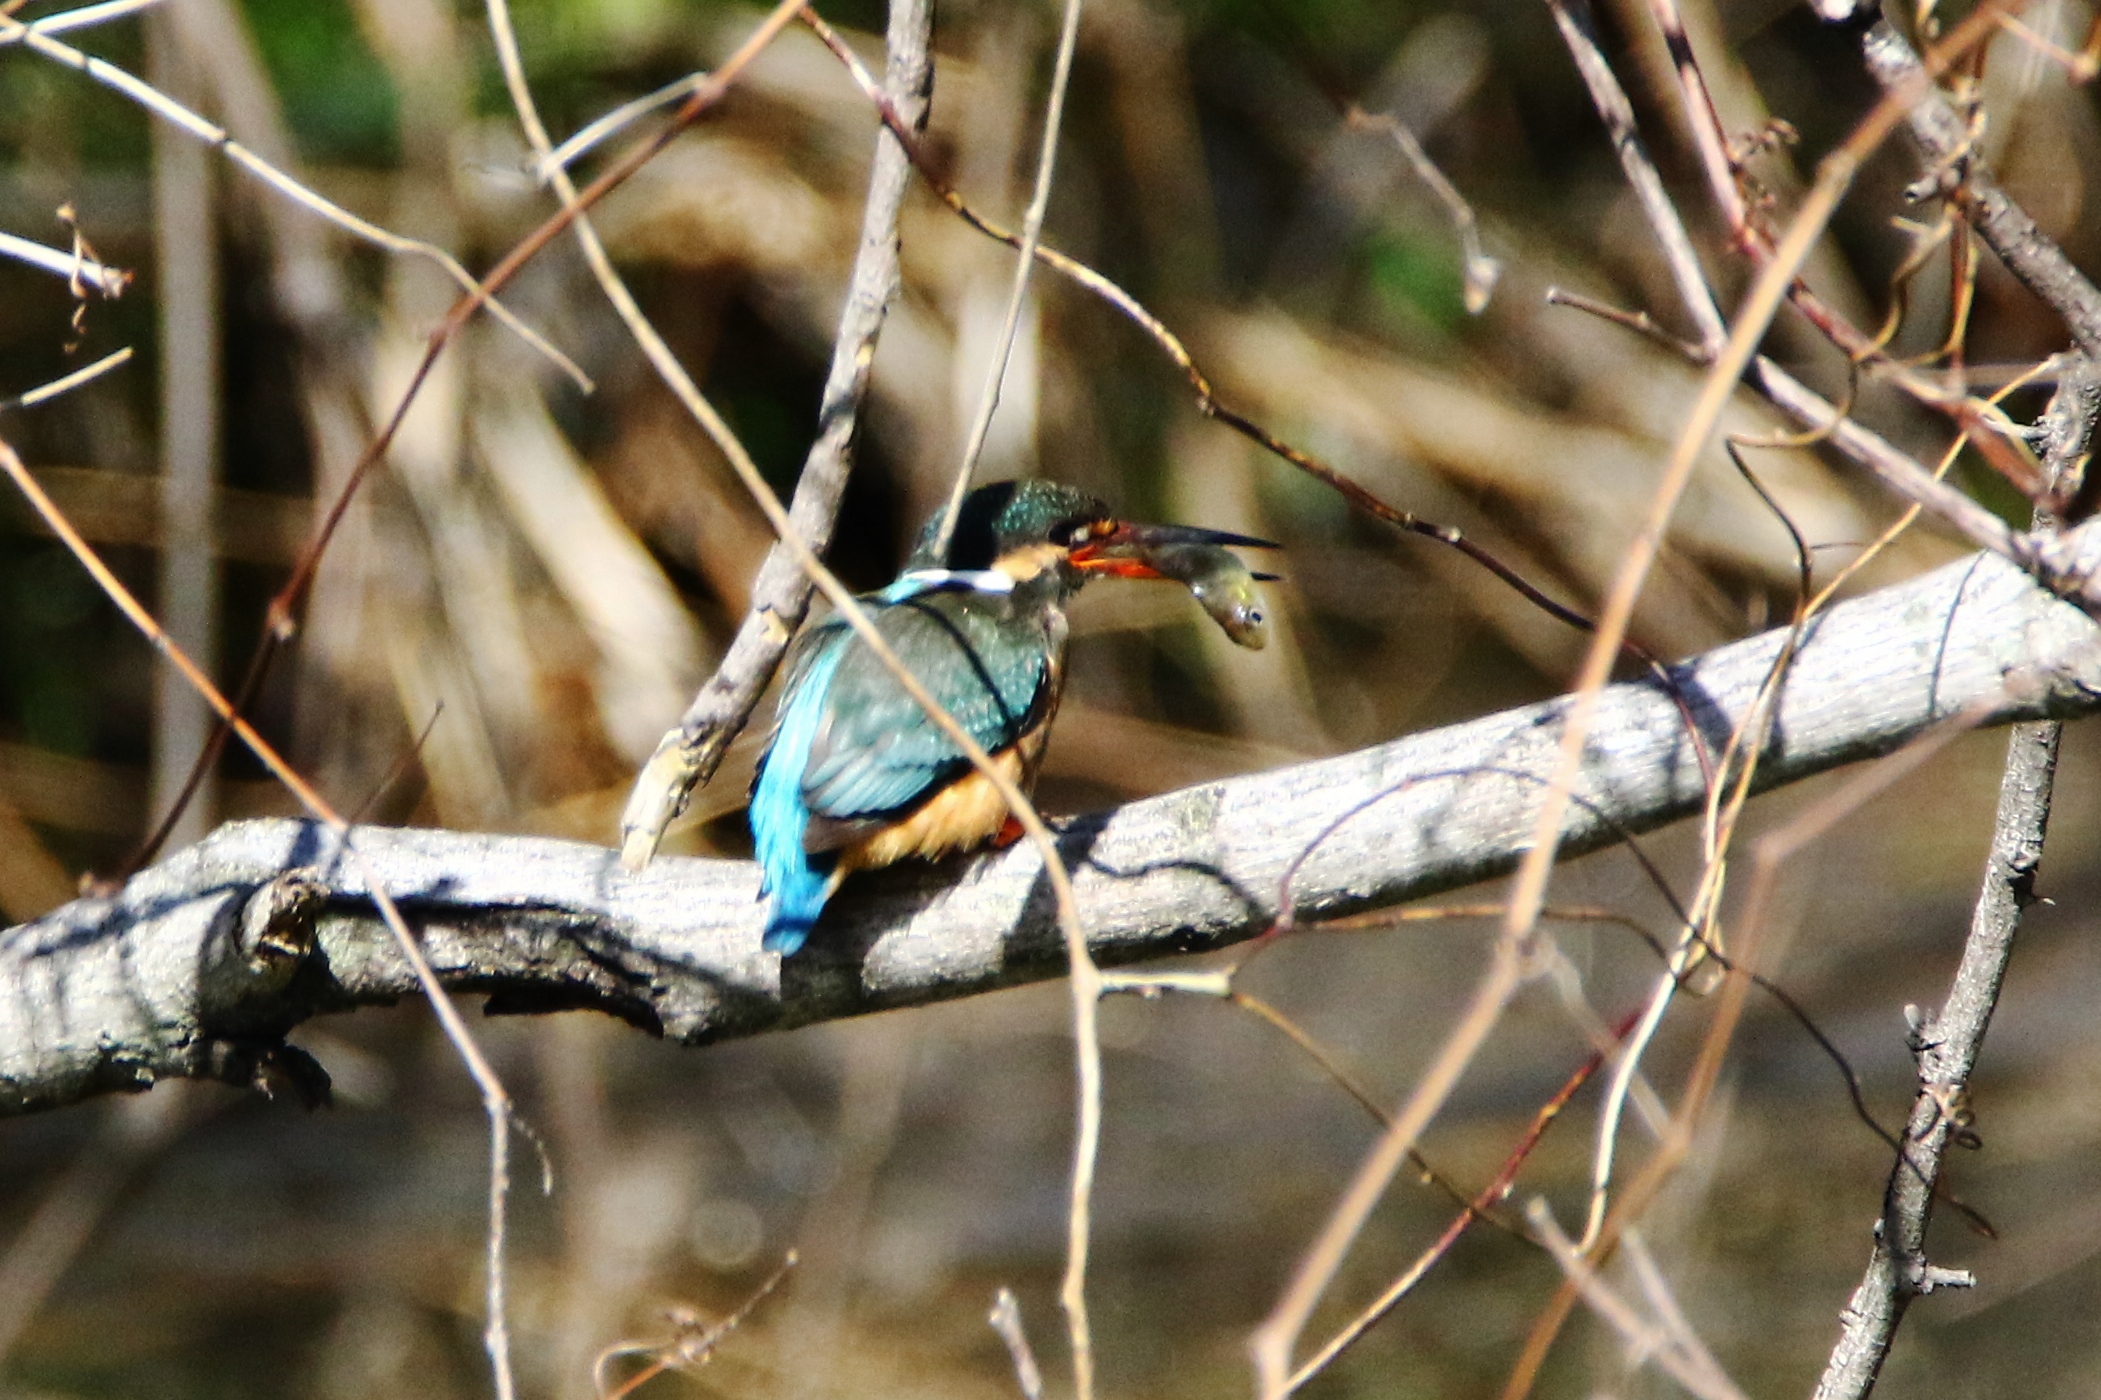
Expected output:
(694, 1346)
(1675, 1348)
(1479, 271)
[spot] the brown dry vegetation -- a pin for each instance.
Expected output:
(550, 574)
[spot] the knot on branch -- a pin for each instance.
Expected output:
(277, 926)
(1922, 1278)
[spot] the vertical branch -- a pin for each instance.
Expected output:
(1946, 1046)
(780, 597)
(186, 249)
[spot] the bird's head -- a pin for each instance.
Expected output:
(1024, 528)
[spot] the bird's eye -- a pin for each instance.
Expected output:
(1077, 532)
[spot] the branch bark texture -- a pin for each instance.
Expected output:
(200, 965)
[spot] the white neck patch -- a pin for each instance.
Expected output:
(976, 580)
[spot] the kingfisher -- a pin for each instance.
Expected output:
(856, 776)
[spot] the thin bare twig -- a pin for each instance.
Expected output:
(66, 384)
(110, 281)
(1676, 1349)
(1640, 322)
(588, 136)
(157, 103)
(1479, 271)
(85, 17)
(1005, 1318)
(1017, 295)
(694, 1346)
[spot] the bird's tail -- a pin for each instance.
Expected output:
(798, 881)
(799, 892)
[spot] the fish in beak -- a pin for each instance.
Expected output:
(1198, 559)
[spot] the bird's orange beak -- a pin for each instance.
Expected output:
(1121, 548)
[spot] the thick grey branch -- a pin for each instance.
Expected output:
(186, 972)
(780, 596)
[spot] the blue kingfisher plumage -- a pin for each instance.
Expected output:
(856, 776)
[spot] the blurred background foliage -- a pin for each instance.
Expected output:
(548, 573)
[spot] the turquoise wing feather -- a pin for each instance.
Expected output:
(877, 752)
(851, 748)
